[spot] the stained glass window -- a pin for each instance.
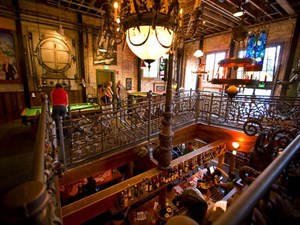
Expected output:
(256, 47)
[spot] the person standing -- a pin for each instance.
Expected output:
(60, 101)
(109, 93)
(101, 95)
(118, 94)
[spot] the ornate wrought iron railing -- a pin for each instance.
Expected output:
(36, 201)
(263, 202)
(139, 119)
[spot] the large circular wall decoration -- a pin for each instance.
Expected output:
(54, 55)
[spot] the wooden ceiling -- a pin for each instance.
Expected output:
(216, 15)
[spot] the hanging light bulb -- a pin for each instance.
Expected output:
(60, 29)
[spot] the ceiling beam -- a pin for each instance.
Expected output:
(286, 6)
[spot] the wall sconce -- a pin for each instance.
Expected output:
(33, 95)
(235, 145)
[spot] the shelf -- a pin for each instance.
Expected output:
(236, 82)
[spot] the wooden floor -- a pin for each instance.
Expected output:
(16, 154)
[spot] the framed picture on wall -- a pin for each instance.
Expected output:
(9, 72)
(159, 87)
(128, 84)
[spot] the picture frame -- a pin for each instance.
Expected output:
(159, 87)
(9, 69)
(128, 84)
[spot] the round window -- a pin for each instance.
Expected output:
(54, 55)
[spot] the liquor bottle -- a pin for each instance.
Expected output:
(141, 188)
(121, 200)
(158, 183)
(135, 190)
(150, 186)
(129, 191)
(154, 183)
(126, 200)
(146, 185)
(186, 167)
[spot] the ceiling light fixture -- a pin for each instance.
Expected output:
(149, 28)
(60, 29)
(239, 12)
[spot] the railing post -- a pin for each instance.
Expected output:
(61, 139)
(197, 105)
(210, 108)
(149, 95)
(27, 203)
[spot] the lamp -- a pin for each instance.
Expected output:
(239, 12)
(149, 44)
(232, 91)
(198, 53)
(235, 145)
(60, 29)
(149, 28)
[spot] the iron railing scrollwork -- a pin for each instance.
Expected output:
(139, 118)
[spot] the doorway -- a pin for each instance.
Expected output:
(104, 76)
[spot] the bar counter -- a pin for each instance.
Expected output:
(147, 213)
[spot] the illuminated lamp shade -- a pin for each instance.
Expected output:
(149, 44)
(235, 145)
(198, 53)
(232, 91)
(238, 14)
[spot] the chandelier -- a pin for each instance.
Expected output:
(149, 28)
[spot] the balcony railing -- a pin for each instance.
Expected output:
(92, 135)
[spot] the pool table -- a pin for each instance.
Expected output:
(31, 114)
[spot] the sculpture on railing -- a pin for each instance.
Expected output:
(271, 140)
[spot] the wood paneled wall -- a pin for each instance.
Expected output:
(12, 103)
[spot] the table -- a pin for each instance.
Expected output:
(32, 114)
(70, 191)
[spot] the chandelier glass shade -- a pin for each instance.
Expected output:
(149, 44)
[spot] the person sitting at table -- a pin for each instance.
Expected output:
(60, 100)
(230, 180)
(189, 148)
(90, 187)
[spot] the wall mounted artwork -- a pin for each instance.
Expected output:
(9, 72)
